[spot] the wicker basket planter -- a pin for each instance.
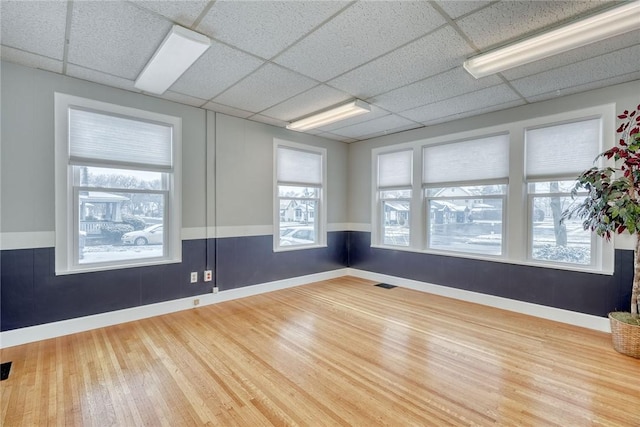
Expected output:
(625, 337)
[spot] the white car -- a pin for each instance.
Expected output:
(152, 235)
(298, 236)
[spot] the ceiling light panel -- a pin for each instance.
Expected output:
(350, 109)
(599, 27)
(179, 50)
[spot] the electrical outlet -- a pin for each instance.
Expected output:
(208, 275)
(215, 289)
(196, 301)
(194, 277)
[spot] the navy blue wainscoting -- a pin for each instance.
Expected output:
(588, 293)
(243, 261)
(32, 294)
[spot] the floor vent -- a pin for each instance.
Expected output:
(385, 285)
(4, 370)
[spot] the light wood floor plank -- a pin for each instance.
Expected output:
(336, 353)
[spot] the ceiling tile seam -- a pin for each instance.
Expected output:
(564, 89)
(472, 12)
(255, 71)
(448, 99)
(510, 86)
(455, 26)
(205, 12)
(28, 52)
(368, 99)
(451, 117)
(313, 30)
(67, 36)
(396, 48)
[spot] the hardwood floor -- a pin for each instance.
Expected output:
(339, 352)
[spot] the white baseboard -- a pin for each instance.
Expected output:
(556, 314)
(66, 327)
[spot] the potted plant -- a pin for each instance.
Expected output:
(612, 206)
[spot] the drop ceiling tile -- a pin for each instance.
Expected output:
(265, 28)
(229, 111)
(633, 76)
(183, 99)
(316, 99)
(30, 59)
(114, 37)
(37, 27)
(268, 120)
(575, 55)
(458, 116)
(456, 9)
(180, 12)
(469, 102)
(382, 124)
(102, 78)
(437, 52)
(361, 33)
(509, 20)
(623, 61)
(437, 88)
(266, 87)
(217, 69)
(375, 113)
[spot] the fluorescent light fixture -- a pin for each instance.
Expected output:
(350, 109)
(179, 50)
(610, 23)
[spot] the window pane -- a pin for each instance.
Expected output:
(464, 191)
(466, 225)
(89, 176)
(395, 227)
(119, 226)
(298, 222)
(551, 187)
(555, 241)
(395, 194)
(301, 192)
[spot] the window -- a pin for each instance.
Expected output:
(465, 187)
(116, 171)
(495, 193)
(395, 172)
(300, 219)
(550, 179)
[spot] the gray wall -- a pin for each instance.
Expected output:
(238, 193)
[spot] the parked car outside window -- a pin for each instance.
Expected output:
(149, 236)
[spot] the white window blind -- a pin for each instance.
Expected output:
(113, 140)
(483, 159)
(299, 167)
(562, 151)
(395, 169)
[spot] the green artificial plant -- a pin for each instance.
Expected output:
(612, 202)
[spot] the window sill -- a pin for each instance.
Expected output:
(298, 248)
(500, 259)
(111, 267)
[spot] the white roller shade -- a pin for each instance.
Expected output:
(562, 151)
(484, 159)
(103, 138)
(395, 169)
(299, 167)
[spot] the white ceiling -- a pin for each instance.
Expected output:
(276, 61)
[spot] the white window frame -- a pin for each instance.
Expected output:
(516, 216)
(66, 189)
(320, 215)
(467, 183)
